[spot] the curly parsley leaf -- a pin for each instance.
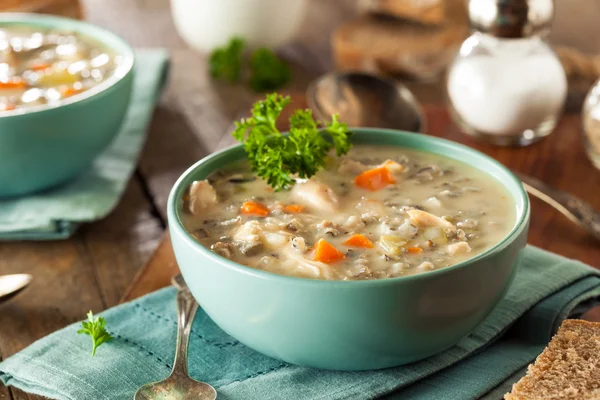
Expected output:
(226, 62)
(275, 157)
(338, 131)
(94, 327)
(267, 71)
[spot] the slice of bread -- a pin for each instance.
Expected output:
(388, 46)
(569, 368)
(424, 11)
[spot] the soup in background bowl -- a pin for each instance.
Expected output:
(54, 118)
(363, 322)
(41, 65)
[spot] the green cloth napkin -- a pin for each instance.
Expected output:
(547, 289)
(56, 213)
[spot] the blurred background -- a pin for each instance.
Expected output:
(430, 29)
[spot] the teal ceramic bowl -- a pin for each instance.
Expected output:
(44, 146)
(352, 325)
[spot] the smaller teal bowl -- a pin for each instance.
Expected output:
(44, 146)
(352, 325)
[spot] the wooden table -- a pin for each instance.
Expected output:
(93, 269)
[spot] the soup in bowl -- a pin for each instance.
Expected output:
(377, 212)
(392, 253)
(65, 87)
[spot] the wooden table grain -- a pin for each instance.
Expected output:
(93, 269)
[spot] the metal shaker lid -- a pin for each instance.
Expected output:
(512, 18)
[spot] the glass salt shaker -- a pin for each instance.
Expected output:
(591, 124)
(506, 86)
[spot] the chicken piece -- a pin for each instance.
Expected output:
(301, 266)
(253, 235)
(275, 240)
(458, 248)
(393, 167)
(315, 194)
(202, 197)
(352, 167)
(251, 232)
(426, 266)
(423, 219)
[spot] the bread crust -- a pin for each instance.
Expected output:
(568, 368)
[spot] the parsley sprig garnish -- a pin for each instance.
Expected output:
(94, 327)
(275, 157)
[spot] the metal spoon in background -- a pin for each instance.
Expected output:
(570, 206)
(10, 285)
(368, 100)
(179, 385)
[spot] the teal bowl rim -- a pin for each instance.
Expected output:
(521, 222)
(101, 35)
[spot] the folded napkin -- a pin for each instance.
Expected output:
(56, 213)
(547, 289)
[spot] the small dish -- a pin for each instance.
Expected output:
(352, 325)
(46, 145)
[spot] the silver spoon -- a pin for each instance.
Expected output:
(179, 385)
(368, 100)
(10, 285)
(570, 206)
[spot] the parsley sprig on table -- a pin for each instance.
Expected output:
(275, 157)
(226, 62)
(94, 327)
(267, 71)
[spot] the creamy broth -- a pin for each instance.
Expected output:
(42, 66)
(377, 212)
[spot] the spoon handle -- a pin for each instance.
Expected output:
(570, 206)
(186, 309)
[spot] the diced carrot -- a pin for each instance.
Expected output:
(359, 240)
(70, 91)
(326, 253)
(254, 208)
(39, 66)
(414, 250)
(7, 106)
(374, 179)
(293, 208)
(13, 84)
